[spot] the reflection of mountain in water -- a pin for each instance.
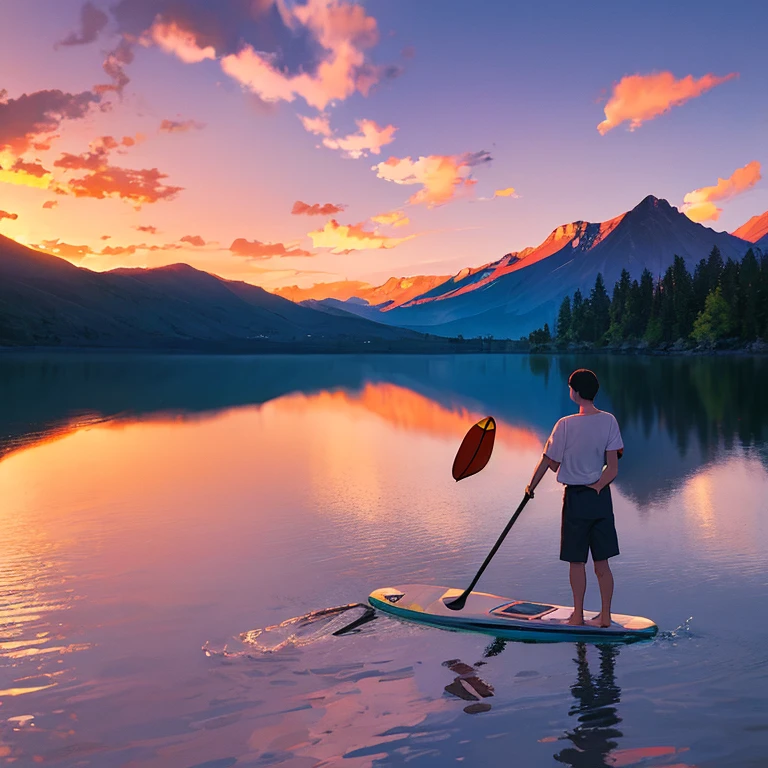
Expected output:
(675, 413)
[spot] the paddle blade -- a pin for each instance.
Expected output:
(475, 449)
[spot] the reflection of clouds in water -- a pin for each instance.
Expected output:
(724, 505)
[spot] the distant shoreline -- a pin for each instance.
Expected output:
(449, 346)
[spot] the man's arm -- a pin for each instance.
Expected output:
(610, 471)
(544, 464)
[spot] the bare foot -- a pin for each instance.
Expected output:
(576, 620)
(599, 621)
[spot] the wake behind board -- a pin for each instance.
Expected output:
(492, 614)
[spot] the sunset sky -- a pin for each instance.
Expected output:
(292, 143)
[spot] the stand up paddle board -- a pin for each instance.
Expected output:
(496, 615)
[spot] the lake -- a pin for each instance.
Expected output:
(162, 515)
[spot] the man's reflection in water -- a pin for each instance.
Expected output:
(596, 697)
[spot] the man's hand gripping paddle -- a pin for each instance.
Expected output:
(474, 453)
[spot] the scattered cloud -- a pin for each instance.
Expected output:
(370, 138)
(173, 38)
(700, 205)
(508, 192)
(22, 173)
(148, 228)
(195, 240)
(639, 98)
(392, 218)
(254, 249)
(140, 187)
(104, 180)
(23, 121)
(114, 67)
(67, 251)
(327, 209)
(441, 177)
(106, 237)
(92, 22)
(6, 215)
(180, 126)
(48, 204)
(408, 52)
(344, 238)
(319, 125)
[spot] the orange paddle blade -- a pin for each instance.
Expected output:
(475, 449)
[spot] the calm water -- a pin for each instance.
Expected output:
(156, 508)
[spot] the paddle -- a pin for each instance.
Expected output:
(473, 454)
(458, 603)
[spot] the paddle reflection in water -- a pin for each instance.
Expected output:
(595, 708)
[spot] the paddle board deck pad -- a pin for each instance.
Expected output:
(491, 614)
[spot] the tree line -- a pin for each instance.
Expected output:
(720, 300)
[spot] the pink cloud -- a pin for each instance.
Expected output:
(370, 138)
(304, 209)
(180, 126)
(639, 98)
(699, 205)
(442, 177)
(173, 38)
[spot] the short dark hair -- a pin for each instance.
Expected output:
(585, 383)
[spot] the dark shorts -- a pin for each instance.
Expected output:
(587, 525)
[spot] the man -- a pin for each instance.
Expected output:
(584, 450)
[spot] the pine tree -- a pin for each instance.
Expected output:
(749, 278)
(714, 268)
(617, 328)
(578, 316)
(600, 309)
(682, 299)
(563, 327)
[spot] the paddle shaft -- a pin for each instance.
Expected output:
(459, 602)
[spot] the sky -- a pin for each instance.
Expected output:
(293, 143)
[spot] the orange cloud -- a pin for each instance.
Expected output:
(195, 240)
(371, 138)
(442, 176)
(343, 238)
(22, 173)
(105, 180)
(149, 229)
(393, 218)
(508, 192)
(10, 216)
(638, 98)
(699, 205)
(180, 126)
(48, 204)
(258, 250)
(75, 253)
(137, 186)
(304, 209)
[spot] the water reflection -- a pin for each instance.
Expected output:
(676, 413)
(595, 710)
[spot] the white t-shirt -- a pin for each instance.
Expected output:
(579, 442)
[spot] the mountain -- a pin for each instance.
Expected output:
(754, 230)
(393, 293)
(523, 290)
(45, 300)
